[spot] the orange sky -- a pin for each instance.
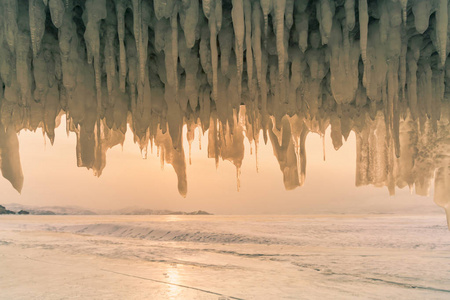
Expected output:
(52, 178)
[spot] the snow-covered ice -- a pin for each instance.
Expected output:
(224, 257)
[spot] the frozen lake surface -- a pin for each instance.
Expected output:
(224, 257)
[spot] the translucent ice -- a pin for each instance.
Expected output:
(236, 69)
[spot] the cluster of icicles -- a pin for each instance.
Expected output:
(234, 68)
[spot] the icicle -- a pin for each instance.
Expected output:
(237, 15)
(37, 24)
(404, 4)
(10, 23)
(279, 7)
(238, 178)
(214, 53)
(190, 152)
(289, 13)
(57, 8)
(363, 28)
(205, 53)
(442, 190)
(350, 14)
(422, 12)
(225, 36)
(144, 152)
(325, 12)
(336, 133)
(159, 7)
(120, 12)
(40, 79)
(441, 31)
(248, 43)
(301, 25)
(266, 6)
(23, 72)
(343, 65)
(161, 157)
(218, 14)
(10, 166)
(412, 83)
(96, 10)
(323, 147)
(163, 8)
(185, 3)
(402, 76)
(174, 27)
(191, 70)
(256, 157)
(385, 26)
(137, 29)
(145, 22)
(207, 7)
(256, 41)
(189, 23)
(110, 61)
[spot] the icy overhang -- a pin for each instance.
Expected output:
(378, 68)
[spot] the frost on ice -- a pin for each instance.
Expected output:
(234, 69)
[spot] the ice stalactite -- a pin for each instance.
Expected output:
(325, 12)
(214, 53)
(37, 23)
(422, 9)
(343, 64)
(279, 8)
(441, 29)
(95, 11)
(266, 6)
(256, 41)
(188, 21)
(248, 44)
(57, 8)
(237, 69)
(120, 12)
(10, 11)
(207, 7)
(404, 4)
(442, 189)
(109, 51)
(363, 30)
(349, 14)
(237, 15)
(9, 157)
(289, 13)
(174, 157)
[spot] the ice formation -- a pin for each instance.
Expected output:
(234, 68)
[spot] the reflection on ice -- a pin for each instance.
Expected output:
(235, 69)
(172, 277)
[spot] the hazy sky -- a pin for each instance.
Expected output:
(52, 178)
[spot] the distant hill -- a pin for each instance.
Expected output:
(145, 211)
(74, 210)
(50, 210)
(4, 211)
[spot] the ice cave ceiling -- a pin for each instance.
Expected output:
(236, 69)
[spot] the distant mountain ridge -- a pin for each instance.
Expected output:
(146, 211)
(75, 210)
(4, 211)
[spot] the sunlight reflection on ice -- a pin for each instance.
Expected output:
(172, 276)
